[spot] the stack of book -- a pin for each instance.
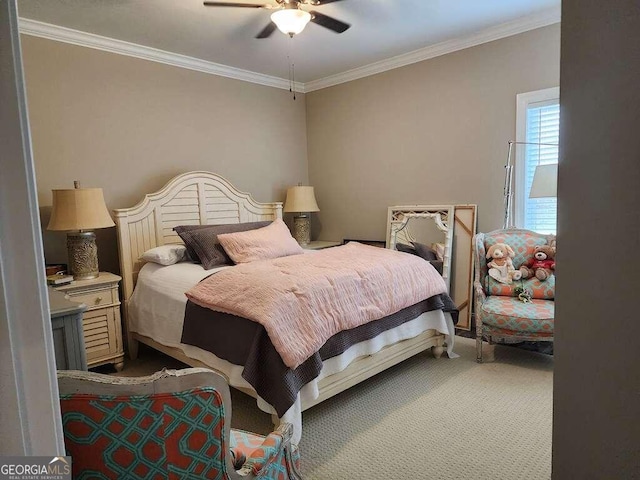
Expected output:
(57, 280)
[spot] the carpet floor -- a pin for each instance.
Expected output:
(423, 419)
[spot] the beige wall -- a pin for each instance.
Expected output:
(129, 125)
(596, 401)
(433, 132)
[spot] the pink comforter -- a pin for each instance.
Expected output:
(302, 300)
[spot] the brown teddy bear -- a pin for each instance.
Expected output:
(542, 264)
(500, 264)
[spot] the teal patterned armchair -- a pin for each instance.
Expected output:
(174, 424)
(500, 315)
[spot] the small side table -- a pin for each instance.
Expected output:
(101, 321)
(68, 337)
(320, 244)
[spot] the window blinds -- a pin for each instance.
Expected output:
(543, 126)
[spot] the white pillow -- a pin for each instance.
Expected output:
(165, 254)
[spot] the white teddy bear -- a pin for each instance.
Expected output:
(500, 265)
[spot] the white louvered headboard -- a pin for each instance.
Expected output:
(193, 198)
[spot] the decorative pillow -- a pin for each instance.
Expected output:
(425, 252)
(439, 249)
(202, 242)
(403, 247)
(272, 241)
(165, 254)
(180, 229)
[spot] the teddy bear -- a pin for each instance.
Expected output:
(500, 265)
(542, 264)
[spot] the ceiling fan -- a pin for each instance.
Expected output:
(289, 18)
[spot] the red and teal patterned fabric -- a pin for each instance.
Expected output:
(509, 313)
(160, 436)
(265, 455)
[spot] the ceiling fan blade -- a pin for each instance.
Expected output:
(322, 2)
(232, 4)
(329, 22)
(267, 31)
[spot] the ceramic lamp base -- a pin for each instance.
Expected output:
(302, 229)
(83, 255)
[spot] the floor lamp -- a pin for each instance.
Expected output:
(544, 181)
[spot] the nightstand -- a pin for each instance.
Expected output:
(320, 244)
(66, 325)
(101, 320)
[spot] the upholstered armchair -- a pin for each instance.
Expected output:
(174, 424)
(500, 315)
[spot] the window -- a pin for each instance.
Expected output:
(538, 122)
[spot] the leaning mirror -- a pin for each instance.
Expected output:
(424, 229)
(447, 230)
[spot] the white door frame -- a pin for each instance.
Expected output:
(30, 421)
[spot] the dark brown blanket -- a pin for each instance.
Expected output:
(244, 342)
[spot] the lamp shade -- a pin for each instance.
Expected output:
(301, 199)
(79, 209)
(291, 20)
(545, 181)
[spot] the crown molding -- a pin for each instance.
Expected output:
(90, 40)
(521, 25)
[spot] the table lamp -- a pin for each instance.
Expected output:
(301, 199)
(79, 211)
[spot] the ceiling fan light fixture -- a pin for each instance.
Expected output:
(291, 21)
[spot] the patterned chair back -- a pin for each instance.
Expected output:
(164, 435)
(174, 424)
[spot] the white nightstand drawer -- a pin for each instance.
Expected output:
(96, 298)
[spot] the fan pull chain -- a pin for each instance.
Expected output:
(293, 79)
(292, 70)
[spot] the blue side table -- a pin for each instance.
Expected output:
(68, 336)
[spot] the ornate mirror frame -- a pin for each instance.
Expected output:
(460, 223)
(398, 229)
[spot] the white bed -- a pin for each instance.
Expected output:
(154, 310)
